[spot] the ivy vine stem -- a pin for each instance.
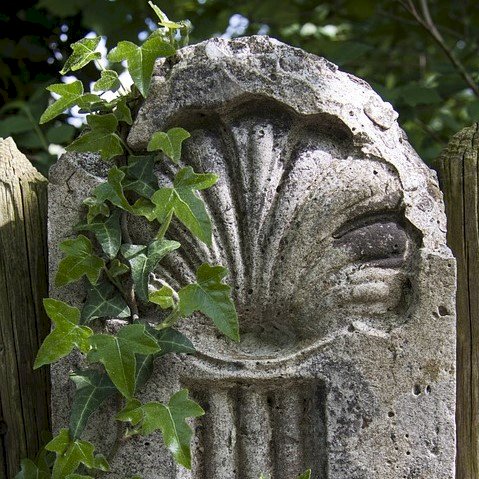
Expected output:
(130, 296)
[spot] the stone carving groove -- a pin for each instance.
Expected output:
(334, 233)
(241, 415)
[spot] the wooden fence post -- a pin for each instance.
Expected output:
(24, 394)
(458, 169)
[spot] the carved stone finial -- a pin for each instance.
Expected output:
(334, 234)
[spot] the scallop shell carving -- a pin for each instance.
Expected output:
(313, 220)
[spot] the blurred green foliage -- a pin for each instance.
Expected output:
(380, 41)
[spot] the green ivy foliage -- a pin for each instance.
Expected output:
(116, 271)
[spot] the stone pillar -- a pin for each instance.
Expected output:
(334, 234)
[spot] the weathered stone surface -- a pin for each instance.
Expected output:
(334, 233)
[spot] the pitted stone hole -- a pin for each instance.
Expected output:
(428, 389)
(416, 390)
(277, 426)
(391, 414)
(442, 311)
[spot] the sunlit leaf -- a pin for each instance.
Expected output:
(101, 137)
(185, 204)
(108, 81)
(212, 297)
(112, 190)
(69, 95)
(170, 142)
(164, 20)
(83, 53)
(66, 335)
(141, 60)
(79, 261)
(107, 232)
(170, 419)
(163, 297)
(71, 453)
(117, 354)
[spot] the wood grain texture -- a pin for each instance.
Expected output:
(24, 393)
(459, 175)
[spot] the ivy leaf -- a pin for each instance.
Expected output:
(170, 142)
(169, 419)
(305, 475)
(101, 463)
(117, 354)
(79, 261)
(102, 137)
(91, 102)
(31, 471)
(117, 268)
(69, 95)
(141, 60)
(70, 454)
(171, 340)
(144, 369)
(123, 112)
(108, 81)
(184, 202)
(140, 176)
(107, 232)
(78, 476)
(104, 301)
(96, 207)
(83, 53)
(112, 190)
(163, 297)
(164, 20)
(60, 134)
(92, 388)
(143, 260)
(144, 207)
(212, 298)
(66, 335)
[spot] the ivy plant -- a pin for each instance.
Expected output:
(116, 271)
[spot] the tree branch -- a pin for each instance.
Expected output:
(428, 24)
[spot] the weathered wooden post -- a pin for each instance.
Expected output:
(24, 394)
(459, 176)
